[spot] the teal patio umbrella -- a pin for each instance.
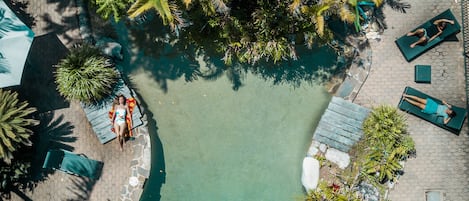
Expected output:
(15, 40)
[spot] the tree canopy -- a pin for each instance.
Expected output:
(249, 31)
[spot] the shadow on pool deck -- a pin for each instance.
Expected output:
(38, 83)
(49, 134)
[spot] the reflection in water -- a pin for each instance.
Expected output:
(150, 48)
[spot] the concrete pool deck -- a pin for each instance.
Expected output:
(442, 161)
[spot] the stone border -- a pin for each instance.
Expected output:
(140, 165)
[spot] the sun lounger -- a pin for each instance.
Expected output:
(71, 163)
(454, 125)
(97, 114)
(411, 53)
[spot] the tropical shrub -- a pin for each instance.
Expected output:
(114, 8)
(387, 143)
(14, 123)
(325, 192)
(249, 31)
(85, 75)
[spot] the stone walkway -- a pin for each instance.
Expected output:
(441, 161)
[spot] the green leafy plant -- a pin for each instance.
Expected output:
(325, 192)
(321, 158)
(85, 75)
(114, 8)
(387, 143)
(14, 123)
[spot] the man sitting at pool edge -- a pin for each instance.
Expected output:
(429, 106)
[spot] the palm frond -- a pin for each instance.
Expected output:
(13, 124)
(84, 75)
(295, 5)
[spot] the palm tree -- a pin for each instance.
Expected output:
(14, 131)
(85, 75)
(116, 8)
(168, 11)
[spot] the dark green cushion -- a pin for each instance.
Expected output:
(411, 53)
(454, 125)
(72, 163)
(423, 73)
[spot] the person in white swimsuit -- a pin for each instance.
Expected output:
(121, 110)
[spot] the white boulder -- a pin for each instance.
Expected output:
(310, 174)
(340, 158)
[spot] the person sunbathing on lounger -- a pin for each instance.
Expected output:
(422, 32)
(429, 106)
(118, 120)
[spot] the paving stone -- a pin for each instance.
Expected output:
(441, 161)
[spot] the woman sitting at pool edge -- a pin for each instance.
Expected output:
(429, 106)
(422, 32)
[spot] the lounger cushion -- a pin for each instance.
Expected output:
(423, 73)
(71, 163)
(411, 53)
(454, 125)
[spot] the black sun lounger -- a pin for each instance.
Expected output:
(454, 125)
(411, 53)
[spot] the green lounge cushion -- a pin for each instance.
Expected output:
(454, 125)
(411, 53)
(423, 73)
(71, 163)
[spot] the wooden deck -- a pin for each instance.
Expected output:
(97, 114)
(340, 126)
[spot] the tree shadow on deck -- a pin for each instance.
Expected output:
(81, 189)
(51, 133)
(38, 83)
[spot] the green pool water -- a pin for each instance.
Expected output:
(226, 136)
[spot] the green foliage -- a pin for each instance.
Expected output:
(14, 123)
(321, 158)
(168, 11)
(115, 8)
(13, 174)
(387, 143)
(246, 31)
(85, 75)
(325, 192)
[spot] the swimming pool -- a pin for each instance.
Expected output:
(226, 134)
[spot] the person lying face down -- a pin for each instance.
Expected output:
(429, 106)
(423, 35)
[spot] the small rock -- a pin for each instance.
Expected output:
(110, 48)
(133, 181)
(323, 148)
(310, 174)
(312, 150)
(373, 35)
(340, 158)
(143, 172)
